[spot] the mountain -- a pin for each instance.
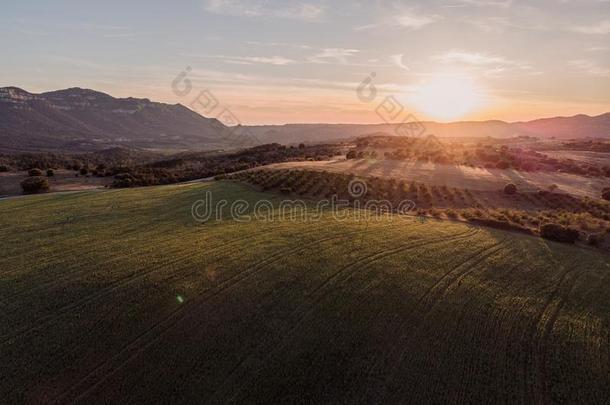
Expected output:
(86, 120)
(80, 119)
(579, 126)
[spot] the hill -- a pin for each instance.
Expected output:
(84, 120)
(579, 126)
(388, 311)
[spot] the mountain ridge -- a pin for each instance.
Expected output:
(84, 119)
(80, 119)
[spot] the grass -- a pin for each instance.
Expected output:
(120, 296)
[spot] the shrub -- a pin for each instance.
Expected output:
(84, 171)
(220, 177)
(351, 154)
(451, 213)
(499, 224)
(558, 233)
(4, 169)
(285, 190)
(594, 239)
(33, 185)
(606, 194)
(503, 165)
(34, 172)
(50, 173)
(510, 189)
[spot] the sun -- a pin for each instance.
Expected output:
(447, 97)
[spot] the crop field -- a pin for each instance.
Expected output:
(120, 296)
(457, 176)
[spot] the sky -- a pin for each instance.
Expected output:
(275, 62)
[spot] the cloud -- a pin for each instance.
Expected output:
(472, 58)
(486, 3)
(398, 61)
(264, 8)
(598, 48)
(408, 19)
(492, 65)
(600, 28)
(333, 55)
(274, 60)
(590, 67)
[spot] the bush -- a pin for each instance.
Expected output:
(84, 171)
(34, 185)
(4, 169)
(558, 233)
(285, 190)
(510, 189)
(50, 173)
(503, 165)
(606, 194)
(500, 224)
(34, 172)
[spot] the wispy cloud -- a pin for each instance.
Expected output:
(485, 3)
(264, 8)
(473, 58)
(333, 55)
(408, 19)
(598, 49)
(590, 67)
(246, 60)
(491, 65)
(599, 28)
(398, 61)
(249, 60)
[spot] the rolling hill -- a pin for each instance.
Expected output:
(394, 310)
(84, 120)
(579, 126)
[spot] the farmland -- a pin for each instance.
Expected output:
(121, 296)
(457, 176)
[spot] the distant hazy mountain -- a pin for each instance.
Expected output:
(80, 119)
(84, 120)
(579, 126)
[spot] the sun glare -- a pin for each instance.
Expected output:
(447, 97)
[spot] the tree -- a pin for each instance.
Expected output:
(301, 146)
(4, 168)
(558, 233)
(503, 164)
(34, 185)
(510, 189)
(34, 172)
(606, 194)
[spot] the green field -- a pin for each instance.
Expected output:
(120, 296)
